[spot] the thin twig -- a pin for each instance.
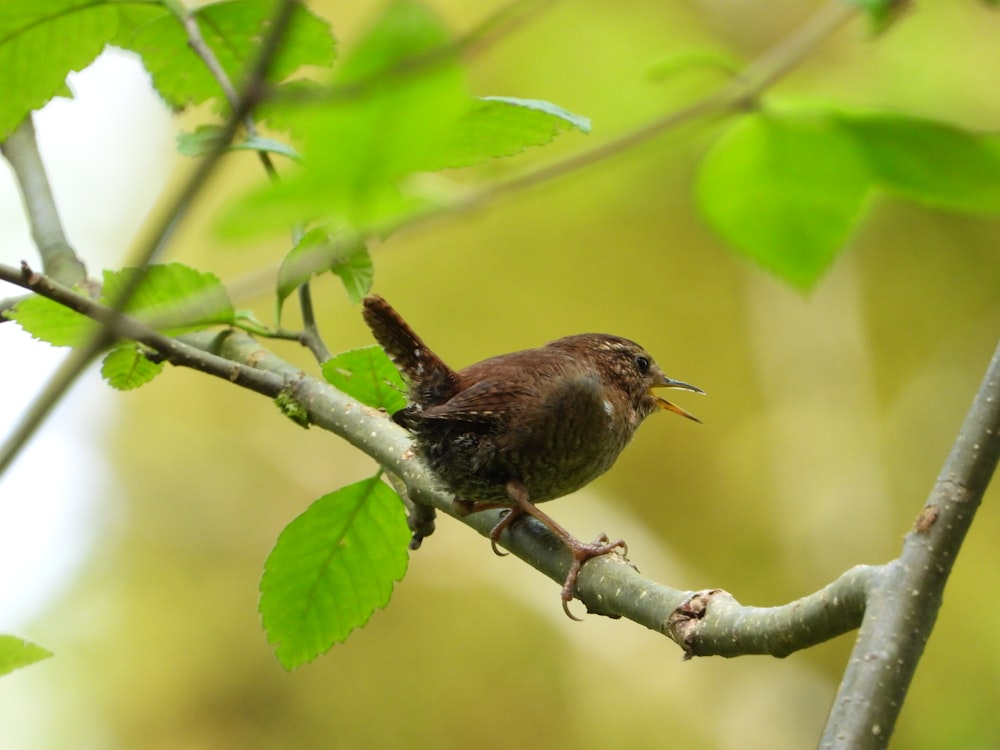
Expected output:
(197, 43)
(786, 55)
(310, 333)
(121, 326)
(59, 259)
(499, 25)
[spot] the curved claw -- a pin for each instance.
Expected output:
(581, 554)
(569, 614)
(505, 520)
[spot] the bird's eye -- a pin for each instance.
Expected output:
(642, 363)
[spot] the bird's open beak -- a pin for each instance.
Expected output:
(667, 405)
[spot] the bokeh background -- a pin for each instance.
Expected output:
(149, 514)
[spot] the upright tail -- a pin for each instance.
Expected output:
(431, 380)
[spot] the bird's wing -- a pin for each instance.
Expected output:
(576, 395)
(486, 401)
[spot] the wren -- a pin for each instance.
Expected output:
(522, 428)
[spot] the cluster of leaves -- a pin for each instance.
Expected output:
(784, 185)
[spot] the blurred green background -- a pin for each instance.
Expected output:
(827, 419)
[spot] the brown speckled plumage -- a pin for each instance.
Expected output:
(524, 427)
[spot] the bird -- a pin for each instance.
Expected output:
(526, 427)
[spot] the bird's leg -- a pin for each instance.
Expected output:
(581, 551)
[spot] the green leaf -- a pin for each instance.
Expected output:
(331, 568)
(401, 92)
(16, 653)
(786, 190)
(205, 138)
(368, 375)
(929, 162)
(40, 42)
(233, 30)
(126, 367)
(356, 272)
(503, 126)
(172, 298)
(320, 250)
(52, 323)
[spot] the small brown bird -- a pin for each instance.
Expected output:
(521, 428)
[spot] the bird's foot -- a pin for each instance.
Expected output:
(582, 552)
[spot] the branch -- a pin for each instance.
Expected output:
(59, 259)
(120, 326)
(607, 585)
(310, 330)
(905, 597)
(713, 623)
(735, 96)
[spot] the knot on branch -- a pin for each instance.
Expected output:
(682, 624)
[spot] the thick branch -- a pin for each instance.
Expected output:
(905, 598)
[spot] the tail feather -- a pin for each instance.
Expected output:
(430, 379)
